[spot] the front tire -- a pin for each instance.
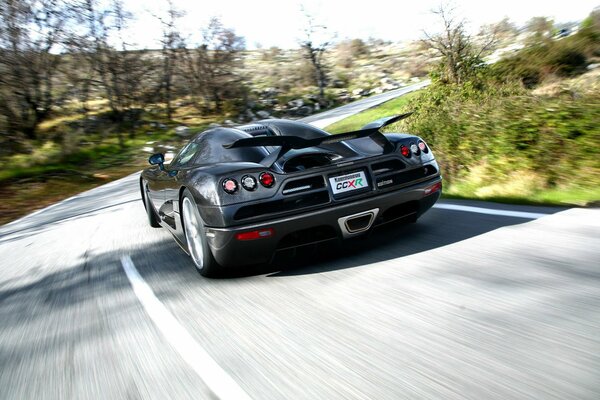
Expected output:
(195, 236)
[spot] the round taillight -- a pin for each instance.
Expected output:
(422, 146)
(249, 182)
(230, 185)
(414, 149)
(266, 179)
(405, 151)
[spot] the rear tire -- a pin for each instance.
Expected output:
(153, 219)
(195, 236)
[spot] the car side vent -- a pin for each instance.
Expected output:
(304, 185)
(385, 167)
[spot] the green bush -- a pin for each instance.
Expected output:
(506, 129)
(564, 58)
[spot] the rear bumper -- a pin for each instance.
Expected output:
(317, 226)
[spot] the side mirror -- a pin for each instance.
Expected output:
(157, 159)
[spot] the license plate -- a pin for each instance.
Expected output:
(348, 182)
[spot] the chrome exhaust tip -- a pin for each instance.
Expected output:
(357, 223)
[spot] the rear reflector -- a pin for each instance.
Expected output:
(253, 235)
(432, 189)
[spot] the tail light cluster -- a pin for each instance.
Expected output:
(415, 149)
(249, 182)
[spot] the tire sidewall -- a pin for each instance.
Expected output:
(208, 261)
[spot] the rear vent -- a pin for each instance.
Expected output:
(406, 177)
(280, 206)
(304, 185)
(307, 236)
(387, 166)
(399, 212)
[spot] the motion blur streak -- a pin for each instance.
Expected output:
(209, 371)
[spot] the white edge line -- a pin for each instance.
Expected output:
(490, 211)
(217, 380)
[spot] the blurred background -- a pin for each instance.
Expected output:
(90, 88)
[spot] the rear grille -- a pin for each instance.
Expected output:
(279, 206)
(399, 212)
(307, 236)
(406, 177)
(304, 185)
(387, 166)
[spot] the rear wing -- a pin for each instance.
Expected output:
(287, 143)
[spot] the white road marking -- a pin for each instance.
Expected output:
(490, 211)
(217, 380)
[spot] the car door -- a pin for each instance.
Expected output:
(174, 172)
(154, 187)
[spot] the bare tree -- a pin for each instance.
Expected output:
(172, 44)
(540, 29)
(211, 66)
(504, 29)
(459, 53)
(31, 33)
(315, 44)
(121, 71)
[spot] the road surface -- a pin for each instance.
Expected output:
(475, 301)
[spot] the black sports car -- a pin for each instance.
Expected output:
(240, 196)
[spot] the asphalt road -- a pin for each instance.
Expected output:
(469, 303)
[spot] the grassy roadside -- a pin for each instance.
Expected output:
(23, 197)
(48, 175)
(359, 120)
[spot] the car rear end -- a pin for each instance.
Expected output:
(267, 212)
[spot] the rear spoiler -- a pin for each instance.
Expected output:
(385, 121)
(287, 143)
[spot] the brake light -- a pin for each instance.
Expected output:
(405, 151)
(266, 179)
(253, 235)
(230, 185)
(422, 146)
